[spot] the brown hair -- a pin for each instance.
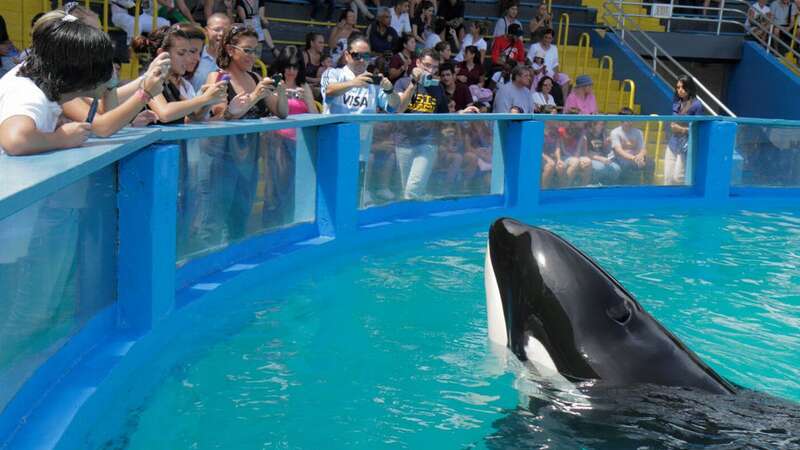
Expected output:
(164, 37)
(232, 37)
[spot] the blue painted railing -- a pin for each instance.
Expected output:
(102, 318)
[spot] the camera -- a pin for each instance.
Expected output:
(277, 78)
(376, 78)
(427, 80)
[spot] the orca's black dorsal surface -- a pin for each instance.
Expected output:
(548, 301)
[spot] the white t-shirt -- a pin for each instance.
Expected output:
(550, 56)
(19, 96)
(539, 99)
(501, 27)
(432, 40)
(401, 23)
(357, 100)
(758, 11)
(466, 42)
(498, 79)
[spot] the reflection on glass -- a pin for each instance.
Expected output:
(234, 187)
(57, 270)
(428, 160)
(596, 153)
(766, 156)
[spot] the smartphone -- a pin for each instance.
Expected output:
(376, 78)
(93, 110)
(224, 77)
(277, 78)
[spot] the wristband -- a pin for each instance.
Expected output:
(143, 95)
(388, 91)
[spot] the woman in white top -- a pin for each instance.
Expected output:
(759, 12)
(474, 37)
(31, 99)
(542, 100)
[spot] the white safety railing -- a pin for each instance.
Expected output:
(663, 65)
(783, 43)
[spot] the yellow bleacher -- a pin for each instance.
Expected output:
(645, 23)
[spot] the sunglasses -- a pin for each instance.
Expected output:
(360, 56)
(247, 51)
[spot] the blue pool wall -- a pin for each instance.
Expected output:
(763, 86)
(79, 384)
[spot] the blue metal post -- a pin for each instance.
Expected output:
(715, 143)
(337, 178)
(147, 200)
(522, 150)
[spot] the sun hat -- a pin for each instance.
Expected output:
(583, 80)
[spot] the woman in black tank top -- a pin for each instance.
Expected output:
(248, 95)
(312, 56)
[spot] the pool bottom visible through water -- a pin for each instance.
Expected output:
(388, 349)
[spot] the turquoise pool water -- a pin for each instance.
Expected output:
(388, 349)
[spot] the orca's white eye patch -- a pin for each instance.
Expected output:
(620, 313)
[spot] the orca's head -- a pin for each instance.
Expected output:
(550, 303)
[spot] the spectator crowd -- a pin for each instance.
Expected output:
(414, 56)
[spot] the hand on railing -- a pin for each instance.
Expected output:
(73, 134)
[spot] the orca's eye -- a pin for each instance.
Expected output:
(620, 313)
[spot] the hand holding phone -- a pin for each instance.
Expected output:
(92, 110)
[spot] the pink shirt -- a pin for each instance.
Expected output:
(586, 105)
(296, 106)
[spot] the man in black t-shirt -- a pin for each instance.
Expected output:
(417, 142)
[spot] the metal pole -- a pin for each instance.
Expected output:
(719, 19)
(655, 59)
(671, 9)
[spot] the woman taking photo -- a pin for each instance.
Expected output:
(252, 96)
(279, 158)
(179, 103)
(684, 104)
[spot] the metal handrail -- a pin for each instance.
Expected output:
(632, 85)
(584, 48)
(262, 67)
(563, 25)
(645, 42)
(726, 13)
(670, 16)
(608, 80)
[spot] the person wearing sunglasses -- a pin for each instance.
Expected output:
(353, 90)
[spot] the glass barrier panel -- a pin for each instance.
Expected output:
(57, 270)
(596, 153)
(767, 156)
(428, 160)
(234, 187)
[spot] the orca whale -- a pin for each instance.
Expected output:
(550, 303)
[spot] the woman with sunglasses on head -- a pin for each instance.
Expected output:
(178, 102)
(249, 96)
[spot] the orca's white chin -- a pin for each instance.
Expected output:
(495, 315)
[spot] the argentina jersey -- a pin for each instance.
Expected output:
(356, 100)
